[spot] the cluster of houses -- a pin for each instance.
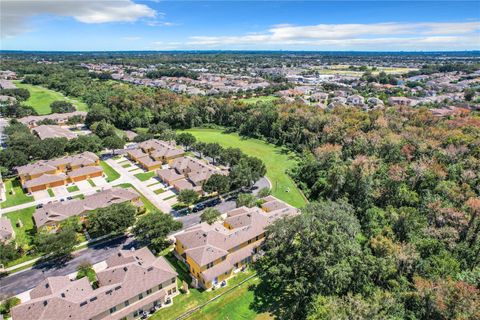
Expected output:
(135, 283)
(213, 253)
(205, 84)
(52, 214)
(45, 174)
(187, 173)
(57, 130)
(152, 154)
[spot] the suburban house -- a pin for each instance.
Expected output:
(46, 174)
(53, 131)
(6, 230)
(51, 214)
(134, 282)
(153, 153)
(188, 173)
(7, 84)
(215, 252)
(401, 101)
(129, 135)
(58, 118)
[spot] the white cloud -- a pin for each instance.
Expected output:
(391, 36)
(15, 13)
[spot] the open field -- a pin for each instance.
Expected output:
(41, 98)
(234, 305)
(277, 161)
(258, 99)
(15, 199)
(111, 174)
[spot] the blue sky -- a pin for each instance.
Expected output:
(239, 25)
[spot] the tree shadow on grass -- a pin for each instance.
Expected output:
(266, 301)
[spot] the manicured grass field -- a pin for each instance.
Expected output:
(15, 199)
(41, 98)
(277, 161)
(72, 188)
(91, 183)
(258, 99)
(238, 299)
(51, 193)
(112, 175)
(148, 205)
(144, 176)
(23, 235)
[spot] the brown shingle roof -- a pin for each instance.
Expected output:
(58, 211)
(77, 300)
(53, 131)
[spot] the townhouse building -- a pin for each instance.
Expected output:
(52, 214)
(46, 174)
(153, 153)
(134, 282)
(58, 118)
(213, 253)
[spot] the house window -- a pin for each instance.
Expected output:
(170, 292)
(113, 309)
(174, 289)
(126, 303)
(140, 296)
(173, 280)
(149, 291)
(159, 286)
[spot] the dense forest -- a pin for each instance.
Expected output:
(392, 230)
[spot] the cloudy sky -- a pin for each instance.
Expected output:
(239, 25)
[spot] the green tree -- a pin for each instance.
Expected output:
(56, 244)
(186, 139)
(61, 107)
(217, 183)
(113, 142)
(210, 215)
(113, 219)
(8, 252)
(187, 196)
(103, 129)
(153, 228)
(8, 304)
(262, 193)
(85, 269)
(246, 199)
(314, 253)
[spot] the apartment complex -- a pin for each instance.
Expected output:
(187, 173)
(6, 230)
(51, 214)
(53, 131)
(58, 118)
(215, 252)
(153, 153)
(46, 174)
(133, 283)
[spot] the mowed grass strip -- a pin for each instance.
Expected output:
(148, 205)
(111, 174)
(19, 196)
(144, 176)
(276, 159)
(41, 98)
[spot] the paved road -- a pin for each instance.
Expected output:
(26, 280)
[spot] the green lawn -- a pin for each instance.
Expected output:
(254, 100)
(276, 159)
(159, 191)
(23, 235)
(148, 205)
(112, 175)
(126, 165)
(144, 176)
(72, 188)
(15, 199)
(91, 183)
(41, 98)
(238, 300)
(51, 193)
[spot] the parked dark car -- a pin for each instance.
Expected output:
(39, 206)
(198, 207)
